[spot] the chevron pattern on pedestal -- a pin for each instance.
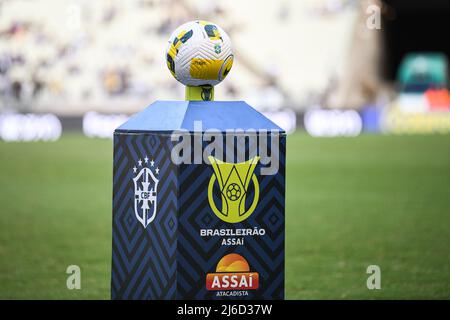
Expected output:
(198, 256)
(168, 259)
(143, 259)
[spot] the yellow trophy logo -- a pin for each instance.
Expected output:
(233, 180)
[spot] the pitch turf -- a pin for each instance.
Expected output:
(351, 202)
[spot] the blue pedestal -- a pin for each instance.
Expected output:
(196, 229)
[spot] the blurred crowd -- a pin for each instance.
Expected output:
(71, 56)
(88, 53)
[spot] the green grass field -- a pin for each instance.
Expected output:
(351, 202)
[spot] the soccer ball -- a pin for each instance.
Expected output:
(199, 53)
(233, 192)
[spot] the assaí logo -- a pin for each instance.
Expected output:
(232, 274)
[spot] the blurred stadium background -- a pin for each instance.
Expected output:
(376, 71)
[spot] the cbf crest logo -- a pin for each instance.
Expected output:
(145, 191)
(233, 180)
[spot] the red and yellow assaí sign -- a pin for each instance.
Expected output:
(232, 273)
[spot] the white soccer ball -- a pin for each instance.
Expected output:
(199, 53)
